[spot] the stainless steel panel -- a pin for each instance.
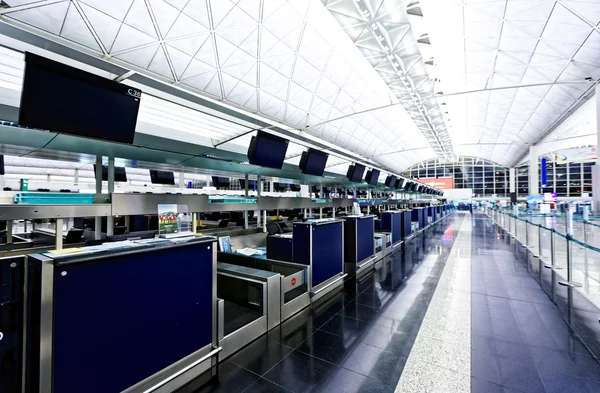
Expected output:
(228, 207)
(46, 327)
(15, 212)
(130, 204)
(273, 306)
(221, 319)
(177, 374)
(286, 282)
(294, 306)
(322, 289)
(243, 336)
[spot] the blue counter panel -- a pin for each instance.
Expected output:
(406, 224)
(117, 321)
(391, 222)
(301, 251)
(11, 323)
(366, 239)
(327, 252)
(280, 248)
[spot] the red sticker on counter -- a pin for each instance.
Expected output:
(293, 281)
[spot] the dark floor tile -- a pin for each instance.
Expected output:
(346, 381)
(360, 312)
(261, 355)
(265, 386)
(559, 383)
(486, 367)
(344, 326)
(376, 363)
(519, 376)
(389, 339)
(231, 379)
(327, 346)
(551, 362)
(301, 373)
(481, 386)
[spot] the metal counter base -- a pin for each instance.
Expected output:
(243, 336)
(333, 284)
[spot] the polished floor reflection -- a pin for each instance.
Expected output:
(520, 340)
(356, 341)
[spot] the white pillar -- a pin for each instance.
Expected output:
(59, 233)
(596, 168)
(98, 225)
(534, 166)
(110, 221)
(181, 179)
(512, 180)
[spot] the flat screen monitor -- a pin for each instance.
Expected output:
(162, 177)
(355, 173)
(220, 182)
(280, 187)
(267, 150)
(251, 184)
(64, 99)
(372, 177)
(295, 187)
(120, 174)
(313, 162)
(390, 181)
(398, 184)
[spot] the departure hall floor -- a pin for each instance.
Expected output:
(456, 311)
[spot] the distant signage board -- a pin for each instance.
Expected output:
(575, 155)
(440, 183)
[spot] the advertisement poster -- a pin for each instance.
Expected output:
(440, 183)
(575, 155)
(173, 219)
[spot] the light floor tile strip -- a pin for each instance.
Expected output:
(440, 359)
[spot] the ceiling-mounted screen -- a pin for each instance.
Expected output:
(64, 99)
(267, 150)
(220, 182)
(120, 174)
(390, 181)
(162, 177)
(280, 187)
(313, 162)
(372, 177)
(397, 184)
(355, 173)
(251, 184)
(295, 187)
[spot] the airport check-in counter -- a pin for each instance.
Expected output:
(293, 279)
(418, 217)
(359, 242)
(430, 215)
(249, 305)
(406, 225)
(383, 245)
(280, 247)
(127, 319)
(391, 221)
(319, 244)
(11, 323)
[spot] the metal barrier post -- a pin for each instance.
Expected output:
(540, 242)
(526, 234)
(569, 283)
(585, 240)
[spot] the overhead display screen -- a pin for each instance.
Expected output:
(313, 162)
(120, 173)
(390, 181)
(64, 99)
(355, 173)
(267, 150)
(372, 177)
(162, 177)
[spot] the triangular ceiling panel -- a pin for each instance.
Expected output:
(75, 29)
(49, 17)
(139, 18)
(185, 26)
(106, 27)
(130, 38)
(160, 64)
(139, 57)
(165, 15)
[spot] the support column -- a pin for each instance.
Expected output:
(258, 193)
(98, 224)
(9, 231)
(76, 176)
(321, 196)
(534, 166)
(110, 220)
(181, 179)
(246, 195)
(596, 168)
(59, 233)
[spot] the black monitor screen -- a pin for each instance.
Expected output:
(398, 184)
(295, 187)
(280, 186)
(267, 150)
(220, 182)
(251, 184)
(372, 177)
(64, 99)
(313, 162)
(355, 173)
(390, 181)
(162, 177)
(120, 174)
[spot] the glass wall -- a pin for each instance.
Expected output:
(486, 178)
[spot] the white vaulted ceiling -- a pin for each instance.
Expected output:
(286, 60)
(491, 44)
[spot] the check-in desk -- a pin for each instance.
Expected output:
(430, 215)
(319, 244)
(11, 323)
(406, 227)
(418, 216)
(359, 242)
(126, 319)
(280, 247)
(383, 245)
(391, 221)
(293, 280)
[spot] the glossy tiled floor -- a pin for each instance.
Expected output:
(456, 311)
(520, 341)
(356, 341)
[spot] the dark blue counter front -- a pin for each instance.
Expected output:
(120, 318)
(406, 224)
(391, 222)
(11, 323)
(359, 238)
(280, 248)
(320, 245)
